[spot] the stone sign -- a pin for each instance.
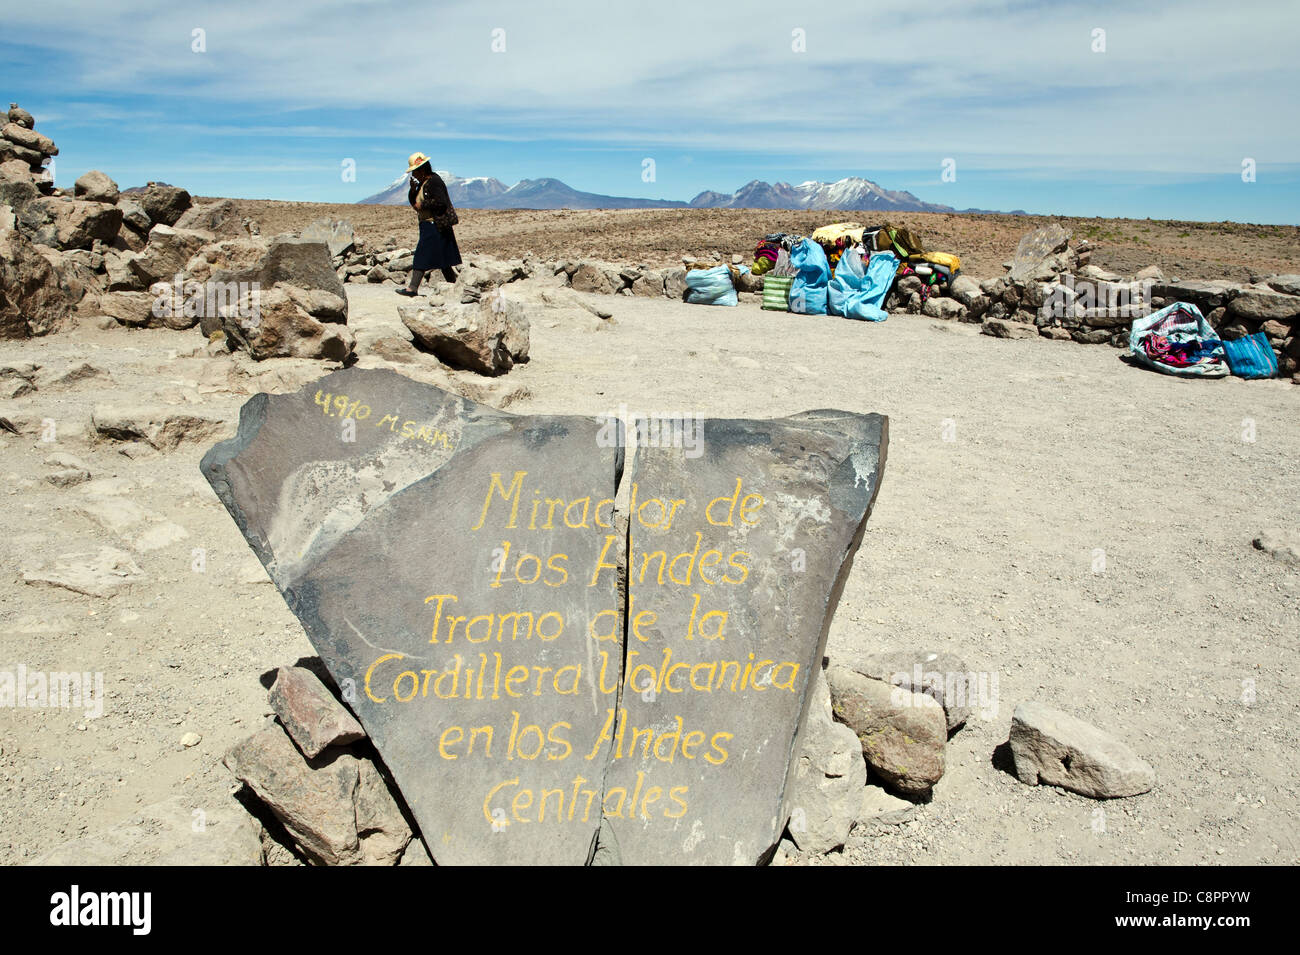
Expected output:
(551, 656)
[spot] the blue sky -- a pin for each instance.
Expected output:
(1016, 93)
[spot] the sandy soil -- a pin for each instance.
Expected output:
(658, 237)
(984, 545)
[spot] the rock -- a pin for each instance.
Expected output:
(120, 276)
(164, 258)
(830, 773)
(940, 675)
(1055, 748)
(210, 829)
(1275, 330)
(232, 255)
(902, 733)
(1034, 249)
(347, 526)
(382, 830)
(315, 800)
(163, 204)
(1207, 296)
(141, 529)
(67, 477)
(1055, 332)
(190, 740)
(16, 187)
(1091, 336)
(29, 138)
(1001, 328)
(221, 219)
(938, 306)
(879, 810)
(489, 337)
(20, 116)
(650, 284)
(1287, 284)
(966, 291)
(96, 187)
(319, 304)
(591, 278)
(70, 223)
(135, 309)
(101, 574)
(387, 347)
(311, 715)
(1281, 545)
(162, 428)
(134, 216)
(1258, 306)
(675, 284)
(10, 151)
(337, 234)
(1094, 273)
(1152, 273)
(32, 301)
(273, 325)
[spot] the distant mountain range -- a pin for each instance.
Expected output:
(853, 193)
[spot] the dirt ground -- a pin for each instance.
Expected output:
(1074, 528)
(659, 237)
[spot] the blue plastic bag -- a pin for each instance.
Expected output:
(1251, 357)
(812, 274)
(710, 287)
(859, 292)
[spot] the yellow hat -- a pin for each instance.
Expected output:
(416, 160)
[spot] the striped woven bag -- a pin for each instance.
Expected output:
(1251, 356)
(776, 292)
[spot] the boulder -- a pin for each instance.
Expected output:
(1152, 273)
(222, 219)
(32, 300)
(120, 277)
(135, 309)
(167, 253)
(310, 714)
(269, 323)
(134, 217)
(228, 254)
(337, 234)
(16, 186)
(489, 336)
(162, 428)
(1207, 296)
(1261, 306)
(902, 733)
(29, 139)
(650, 284)
(675, 283)
(21, 117)
(1030, 261)
(939, 306)
(12, 151)
(1055, 748)
(70, 223)
(96, 187)
(829, 776)
(163, 204)
(591, 278)
(967, 291)
(324, 803)
(938, 674)
(1287, 284)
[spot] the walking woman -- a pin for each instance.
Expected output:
(437, 247)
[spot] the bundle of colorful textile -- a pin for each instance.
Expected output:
(1177, 340)
(836, 238)
(769, 250)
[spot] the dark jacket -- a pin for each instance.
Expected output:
(431, 202)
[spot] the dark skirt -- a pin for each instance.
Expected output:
(436, 249)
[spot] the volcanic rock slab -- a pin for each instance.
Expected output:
(463, 573)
